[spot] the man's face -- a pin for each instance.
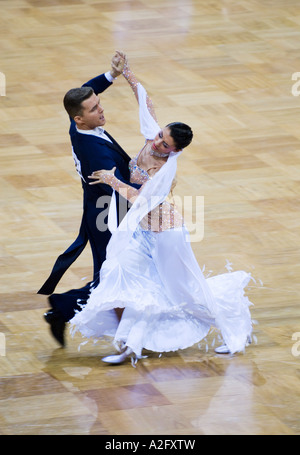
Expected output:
(92, 114)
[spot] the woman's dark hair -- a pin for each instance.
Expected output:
(73, 99)
(181, 133)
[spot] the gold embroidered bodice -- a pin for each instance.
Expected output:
(165, 216)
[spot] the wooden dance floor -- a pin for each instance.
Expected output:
(227, 68)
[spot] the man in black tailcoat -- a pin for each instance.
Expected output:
(93, 149)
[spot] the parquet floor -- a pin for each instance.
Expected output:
(224, 67)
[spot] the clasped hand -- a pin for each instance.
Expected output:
(102, 176)
(117, 63)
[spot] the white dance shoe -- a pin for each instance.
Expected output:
(225, 350)
(118, 358)
(222, 349)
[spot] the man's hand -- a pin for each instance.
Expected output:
(117, 64)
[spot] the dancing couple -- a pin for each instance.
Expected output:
(150, 292)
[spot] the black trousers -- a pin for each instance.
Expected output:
(67, 303)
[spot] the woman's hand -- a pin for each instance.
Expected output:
(123, 58)
(103, 176)
(117, 64)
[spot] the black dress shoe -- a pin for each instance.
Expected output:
(57, 326)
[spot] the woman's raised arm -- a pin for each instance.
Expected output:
(133, 82)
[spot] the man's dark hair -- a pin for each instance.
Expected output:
(73, 99)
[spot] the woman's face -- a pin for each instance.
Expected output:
(163, 142)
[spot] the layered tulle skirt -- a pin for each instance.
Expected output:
(168, 303)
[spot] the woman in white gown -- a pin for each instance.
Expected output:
(150, 271)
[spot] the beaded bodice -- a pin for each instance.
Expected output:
(165, 216)
(137, 174)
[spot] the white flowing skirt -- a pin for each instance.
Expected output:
(168, 304)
